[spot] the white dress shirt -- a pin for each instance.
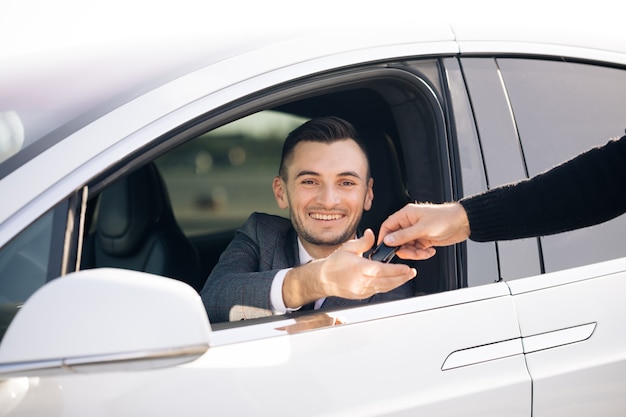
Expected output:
(276, 292)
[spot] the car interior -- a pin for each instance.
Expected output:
(136, 229)
(131, 223)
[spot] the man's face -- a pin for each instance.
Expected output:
(326, 191)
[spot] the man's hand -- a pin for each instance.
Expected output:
(421, 227)
(346, 274)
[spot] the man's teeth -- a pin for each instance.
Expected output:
(326, 216)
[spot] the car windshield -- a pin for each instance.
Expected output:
(47, 97)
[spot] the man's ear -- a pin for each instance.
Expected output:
(369, 195)
(280, 192)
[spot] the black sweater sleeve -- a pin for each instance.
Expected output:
(586, 190)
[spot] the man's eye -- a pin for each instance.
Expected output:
(308, 182)
(347, 183)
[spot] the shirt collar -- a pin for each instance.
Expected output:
(303, 254)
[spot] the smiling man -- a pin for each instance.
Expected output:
(314, 260)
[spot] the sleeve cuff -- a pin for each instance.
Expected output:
(276, 294)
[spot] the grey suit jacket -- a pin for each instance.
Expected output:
(239, 285)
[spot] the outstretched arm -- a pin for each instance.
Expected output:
(346, 274)
(586, 190)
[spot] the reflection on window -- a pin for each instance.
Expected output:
(216, 180)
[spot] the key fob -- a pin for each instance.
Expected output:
(382, 253)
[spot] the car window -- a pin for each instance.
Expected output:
(503, 159)
(217, 179)
(562, 109)
(29, 261)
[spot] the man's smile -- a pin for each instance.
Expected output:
(326, 217)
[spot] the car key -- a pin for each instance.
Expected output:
(383, 253)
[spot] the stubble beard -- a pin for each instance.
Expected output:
(340, 239)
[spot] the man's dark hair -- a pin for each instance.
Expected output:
(323, 129)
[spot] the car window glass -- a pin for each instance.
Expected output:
(502, 156)
(216, 180)
(562, 109)
(24, 266)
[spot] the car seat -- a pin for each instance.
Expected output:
(136, 229)
(390, 193)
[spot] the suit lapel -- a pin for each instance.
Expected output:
(285, 250)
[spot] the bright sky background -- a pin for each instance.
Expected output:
(34, 24)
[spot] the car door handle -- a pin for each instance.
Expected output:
(558, 338)
(483, 353)
(528, 344)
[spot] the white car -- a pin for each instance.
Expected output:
(125, 172)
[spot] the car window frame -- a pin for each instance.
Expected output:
(272, 98)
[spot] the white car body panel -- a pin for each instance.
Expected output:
(555, 40)
(576, 375)
(398, 359)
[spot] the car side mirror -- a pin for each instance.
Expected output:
(105, 320)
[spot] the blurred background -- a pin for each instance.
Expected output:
(216, 180)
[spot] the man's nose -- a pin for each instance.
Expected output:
(328, 196)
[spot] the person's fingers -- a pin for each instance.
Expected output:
(426, 225)
(402, 236)
(396, 225)
(389, 277)
(360, 245)
(411, 252)
(387, 270)
(396, 221)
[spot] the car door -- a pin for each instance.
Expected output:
(572, 325)
(572, 317)
(548, 110)
(444, 353)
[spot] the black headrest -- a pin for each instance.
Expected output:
(128, 210)
(390, 193)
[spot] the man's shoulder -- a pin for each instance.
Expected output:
(267, 223)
